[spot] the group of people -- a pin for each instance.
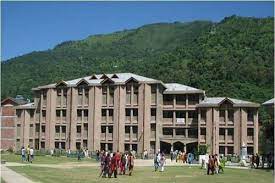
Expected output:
(159, 161)
(268, 159)
(213, 164)
(112, 163)
(182, 156)
(27, 154)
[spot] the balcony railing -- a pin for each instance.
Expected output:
(250, 139)
(153, 134)
(167, 120)
(127, 136)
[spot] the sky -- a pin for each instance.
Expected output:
(38, 26)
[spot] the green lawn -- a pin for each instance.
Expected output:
(145, 174)
(43, 159)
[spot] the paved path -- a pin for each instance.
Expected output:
(11, 176)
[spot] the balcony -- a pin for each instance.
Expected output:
(153, 134)
(134, 119)
(127, 136)
(63, 136)
(109, 136)
(167, 120)
(230, 139)
(250, 139)
(103, 119)
(134, 136)
(57, 135)
(203, 138)
(103, 136)
(203, 122)
(85, 134)
(221, 138)
(153, 118)
(78, 135)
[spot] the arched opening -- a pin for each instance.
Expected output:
(178, 146)
(165, 147)
(191, 147)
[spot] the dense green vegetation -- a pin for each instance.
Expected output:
(233, 58)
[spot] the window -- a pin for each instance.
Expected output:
(37, 128)
(43, 113)
(64, 92)
(167, 114)
(128, 112)
(18, 113)
(127, 129)
(250, 115)
(111, 112)
(135, 112)
(135, 129)
(103, 112)
(134, 147)
(103, 129)
(78, 129)
(128, 88)
(221, 131)
(193, 133)
(56, 145)
(203, 131)
(86, 90)
(43, 129)
(79, 113)
(230, 150)
(64, 113)
(57, 129)
(168, 99)
(63, 145)
(63, 129)
(57, 113)
(192, 99)
(58, 92)
(180, 99)
(230, 115)
(203, 115)
(31, 113)
(110, 129)
(111, 90)
(221, 150)
(104, 89)
(167, 131)
(135, 89)
(250, 132)
(222, 116)
(180, 131)
(86, 113)
(42, 145)
(230, 131)
(153, 112)
(153, 89)
(180, 114)
(192, 114)
(80, 91)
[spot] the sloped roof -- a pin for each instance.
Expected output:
(216, 101)
(176, 88)
(26, 106)
(269, 102)
(16, 101)
(122, 78)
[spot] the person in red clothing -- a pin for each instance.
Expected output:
(117, 157)
(122, 164)
(113, 168)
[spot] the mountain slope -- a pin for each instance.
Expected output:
(231, 58)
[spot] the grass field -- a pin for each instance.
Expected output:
(43, 159)
(144, 175)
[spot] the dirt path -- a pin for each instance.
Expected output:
(11, 176)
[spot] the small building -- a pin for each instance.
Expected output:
(8, 121)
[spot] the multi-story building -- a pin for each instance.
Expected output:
(125, 111)
(8, 121)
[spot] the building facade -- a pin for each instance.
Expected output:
(125, 111)
(9, 120)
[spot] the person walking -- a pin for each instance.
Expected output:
(23, 154)
(28, 153)
(210, 165)
(122, 164)
(156, 162)
(130, 163)
(162, 162)
(31, 154)
(113, 168)
(106, 165)
(257, 160)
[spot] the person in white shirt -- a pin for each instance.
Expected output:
(31, 154)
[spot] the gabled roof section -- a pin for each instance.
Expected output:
(93, 77)
(217, 101)
(107, 80)
(104, 76)
(26, 106)
(82, 82)
(114, 76)
(176, 88)
(61, 83)
(269, 102)
(131, 79)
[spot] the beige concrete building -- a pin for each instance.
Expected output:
(125, 111)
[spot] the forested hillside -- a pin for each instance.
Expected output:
(233, 58)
